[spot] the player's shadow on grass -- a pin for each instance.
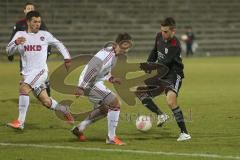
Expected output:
(27, 127)
(37, 126)
(153, 134)
(15, 100)
(89, 139)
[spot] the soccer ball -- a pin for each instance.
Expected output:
(143, 123)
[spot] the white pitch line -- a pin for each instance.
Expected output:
(123, 151)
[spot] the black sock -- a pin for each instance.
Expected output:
(148, 102)
(177, 112)
(48, 88)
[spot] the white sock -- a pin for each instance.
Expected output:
(84, 124)
(23, 107)
(113, 117)
(54, 104)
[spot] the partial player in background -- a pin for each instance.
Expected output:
(21, 25)
(91, 84)
(167, 51)
(32, 45)
(189, 41)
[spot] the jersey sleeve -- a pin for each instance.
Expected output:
(12, 46)
(90, 72)
(14, 31)
(59, 45)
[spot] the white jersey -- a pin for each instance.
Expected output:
(99, 68)
(34, 51)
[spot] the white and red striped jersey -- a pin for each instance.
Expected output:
(98, 68)
(34, 51)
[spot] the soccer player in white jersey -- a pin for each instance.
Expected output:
(91, 84)
(32, 45)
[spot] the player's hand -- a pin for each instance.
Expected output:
(79, 92)
(67, 63)
(115, 80)
(20, 40)
(11, 58)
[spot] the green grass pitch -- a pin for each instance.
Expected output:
(209, 97)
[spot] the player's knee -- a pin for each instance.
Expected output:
(37, 91)
(24, 89)
(112, 102)
(115, 104)
(171, 99)
(23, 92)
(103, 109)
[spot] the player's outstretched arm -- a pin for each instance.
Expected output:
(13, 44)
(62, 49)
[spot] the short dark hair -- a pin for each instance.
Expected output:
(169, 21)
(32, 14)
(29, 3)
(123, 37)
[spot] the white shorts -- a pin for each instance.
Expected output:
(99, 94)
(36, 79)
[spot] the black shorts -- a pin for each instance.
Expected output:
(174, 81)
(171, 82)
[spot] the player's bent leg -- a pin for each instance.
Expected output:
(113, 117)
(23, 107)
(177, 112)
(147, 101)
(46, 100)
(54, 105)
(98, 113)
(100, 94)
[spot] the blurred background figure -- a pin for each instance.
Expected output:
(190, 37)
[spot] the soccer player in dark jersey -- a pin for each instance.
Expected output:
(21, 25)
(189, 42)
(167, 51)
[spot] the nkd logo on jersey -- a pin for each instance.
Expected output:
(32, 47)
